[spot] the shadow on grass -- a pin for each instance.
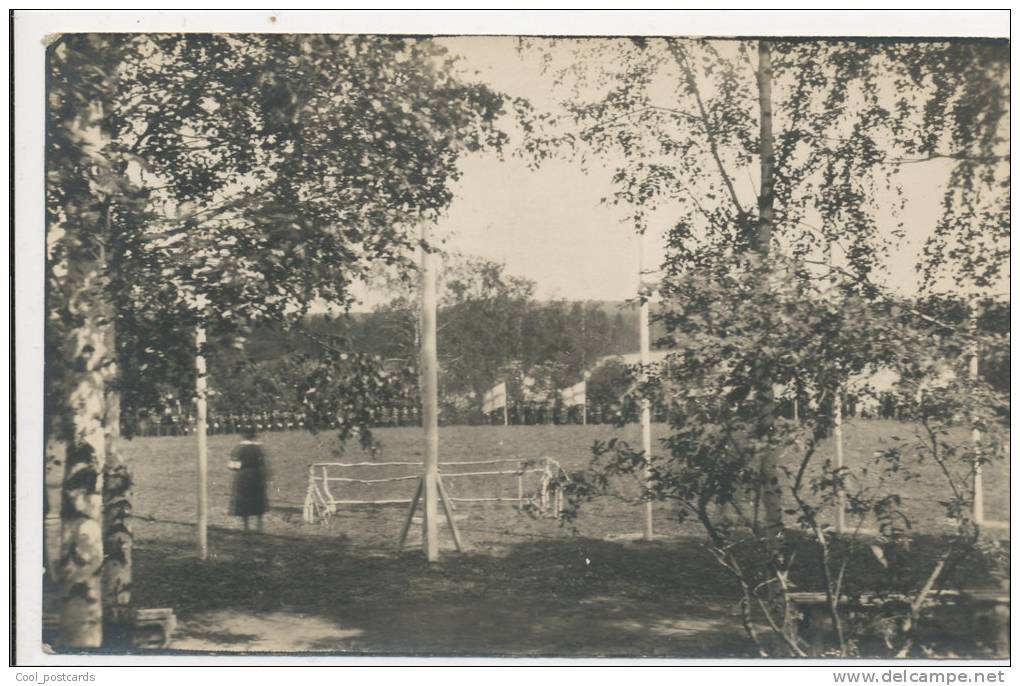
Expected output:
(565, 597)
(571, 597)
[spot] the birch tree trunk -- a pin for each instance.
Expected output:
(88, 358)
(771, 495)
(771, 489)
(117, 539)
(81, 553)
(53, 480)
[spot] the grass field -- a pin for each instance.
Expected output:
(168, 464)
(525, 586)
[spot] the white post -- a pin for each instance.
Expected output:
(506, 412)
(584, 405)
(200, 432)
(975, 437)
(430, 401)
(646, 405)
(837, 437)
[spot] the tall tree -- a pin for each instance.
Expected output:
(482, 313)
(86, 197)
(219, 179)
(762, 244)
(792, 147)
(780, 167)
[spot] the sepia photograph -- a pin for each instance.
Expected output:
(662, 345)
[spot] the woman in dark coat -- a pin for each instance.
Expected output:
(251, 472)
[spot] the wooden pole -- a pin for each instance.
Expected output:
(200, 432)
(646, 405)
(448, 509)
(506, 412)
(430, 401)
(584, 405)
(837, 437)
(410, 515)
(975, 437)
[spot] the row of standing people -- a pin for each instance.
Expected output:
(183, 425)
(516, 414)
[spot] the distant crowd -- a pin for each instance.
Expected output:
(173, 424)
(517, 414)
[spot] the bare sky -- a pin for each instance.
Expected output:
(549, 224)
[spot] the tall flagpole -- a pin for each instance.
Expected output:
(646, 405)
(429, 400)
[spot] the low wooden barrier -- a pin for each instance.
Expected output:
(321, 502)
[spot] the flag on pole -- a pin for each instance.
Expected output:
(494, 398)
(575, 395)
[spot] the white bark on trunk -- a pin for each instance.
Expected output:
(771, 493)
(81, 553)
(117, 537)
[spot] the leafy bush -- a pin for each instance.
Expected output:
(745, 331)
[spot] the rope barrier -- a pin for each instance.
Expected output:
(415, 464)
(496, 473)
(473, 462)
(369, 481)
(398, 501)
(320, 503)
(366, 464)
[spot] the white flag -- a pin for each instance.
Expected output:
(575, 395)
(494, 398)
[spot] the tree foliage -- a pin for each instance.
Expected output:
(214, 181)
(780, 165)
(274, 170)
(492, 329)
(826, 343)
(677, 121)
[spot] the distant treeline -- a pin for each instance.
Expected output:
(610, 327)
(536, 347)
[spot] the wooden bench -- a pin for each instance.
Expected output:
(146, 628)
(989, 608)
